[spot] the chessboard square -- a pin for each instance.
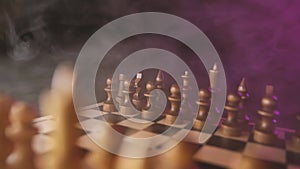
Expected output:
(90, 113)
(208, 166)
(293, 158)
(124, 130)
(93, 106)
(143, 134)
(46, 126)
(92, 125)
(278, 144)
(81, 118)
(226, 143)
(132, 123)
(160, 129)
(184, 124)
(244, 137)
(267, 153)
(218, 156)
(291, 166)
(251, 163)
(111, 118)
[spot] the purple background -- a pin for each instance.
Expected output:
(256, 39)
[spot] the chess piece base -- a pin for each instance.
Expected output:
(170, 119)
(109, 107)
(264, 138)
(233, 131)
(296, 142)
(128, 111)
(198, 124)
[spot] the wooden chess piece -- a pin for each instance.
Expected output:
(6, 146)
(264, 129)
(137, 99)
(204, 105)
(175, 101)
(65, 154)
(159, 80)
(296, 136)
(231, 127)
(109, 105)
(121, 88)
(125, 105)
(186, 89)
(243, 93)
(21, 132)
(146, 114)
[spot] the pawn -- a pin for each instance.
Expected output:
(204, 105)
(137, 100)
(264, 129)
(175, 101)
(109, 105)
(125, 106)
(5, 105)
(231, 127)
(243, 93)
(146, 113)
(21, 132)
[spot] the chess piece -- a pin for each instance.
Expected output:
(213, 78)
(65, 154)
(137, 97)
(204, 105)
(231, 127)
(146, 114)
(21, 132)
(108, 105)
(243, 93)
(125, 105)
(121, 87)
(5, 105)
(175, 101)
(186, 105)
(159, 80)
(296, 136)
(264, 129)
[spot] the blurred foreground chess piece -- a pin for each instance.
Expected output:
(65, 154)
(296, 136)
(108, 105)
(21, 132)
(242, 118)
(231, 127)
(175, 101)
(6, 146)
(204, 105)
(264, 129)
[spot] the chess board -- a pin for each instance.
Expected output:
(218, 152)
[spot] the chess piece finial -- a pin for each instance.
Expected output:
(175, 100)
(108, 105)
(231, 127)
(21, 132)
(159, 80)
(5, 105)
(204, 105)
(264, 129)
(63, 78)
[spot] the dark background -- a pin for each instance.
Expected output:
(256, 39)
